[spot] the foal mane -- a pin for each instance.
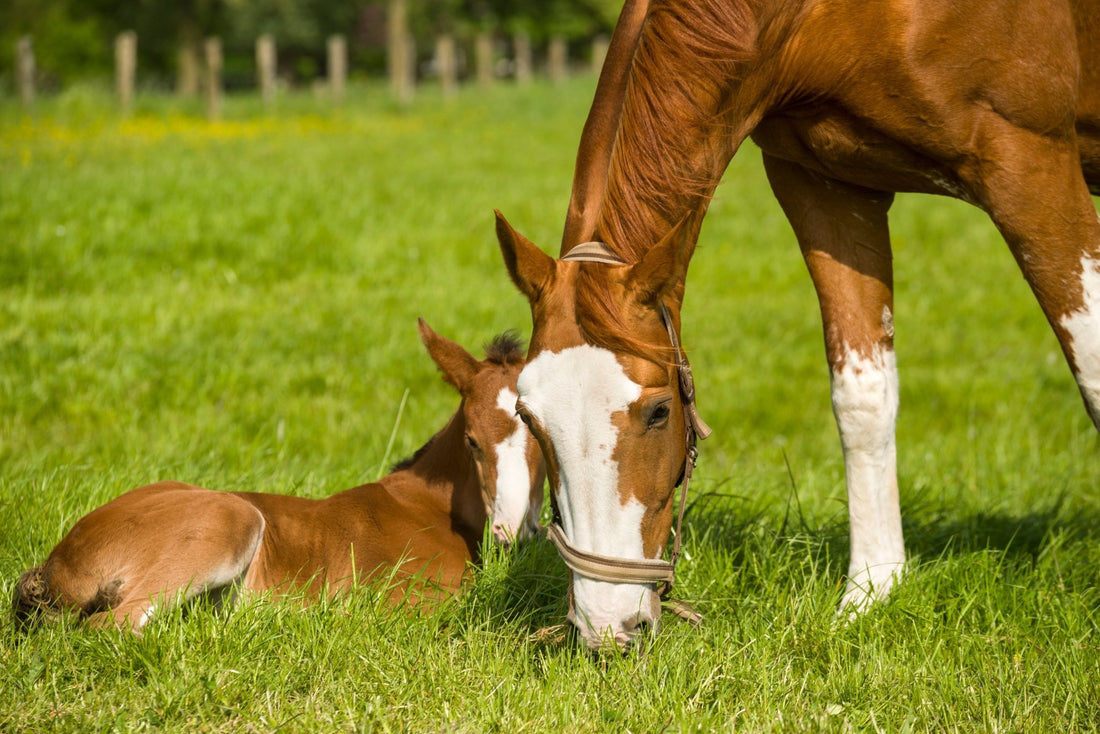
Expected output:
(663, 163)
(505, 349)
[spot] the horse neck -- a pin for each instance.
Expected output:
(445, 474)
(666, 121)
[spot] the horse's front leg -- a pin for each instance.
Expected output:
(845, 242)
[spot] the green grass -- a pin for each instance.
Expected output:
(234, 305)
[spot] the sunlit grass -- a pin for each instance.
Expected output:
(234, 304)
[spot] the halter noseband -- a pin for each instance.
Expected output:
(646, 570)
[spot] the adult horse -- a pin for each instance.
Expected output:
(419, 528)
(996, 103)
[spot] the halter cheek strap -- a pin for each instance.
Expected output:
(646, 570)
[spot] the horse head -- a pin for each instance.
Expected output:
(602, 394)
(509, 464)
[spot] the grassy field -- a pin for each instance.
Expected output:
(234, 305)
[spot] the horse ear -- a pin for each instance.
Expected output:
(531, 268)
(664, 266)
(458, 366)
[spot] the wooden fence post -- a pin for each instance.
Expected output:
(337, 67)
(188, 65)
(399, 57)
(266, 68)
(24, 69)
(521, 46)
(213, 53)
(125, 69)
(447, 64)
(599, 53)
(557, 59)
(483, 58)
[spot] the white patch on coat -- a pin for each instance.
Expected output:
(513, 490)
(865, 403)
(574, 395)
(1083, 326)
(605, 610)
(146, 616)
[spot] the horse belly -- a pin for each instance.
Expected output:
(841, 147)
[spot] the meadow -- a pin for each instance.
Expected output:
(234, 304)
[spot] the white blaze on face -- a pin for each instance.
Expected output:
(1083, 326)
(513, 488)
(574, 394)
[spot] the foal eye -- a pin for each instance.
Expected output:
(471, 443)
(658, 416)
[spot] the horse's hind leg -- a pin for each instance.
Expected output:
(845, 242)
(1037, 197)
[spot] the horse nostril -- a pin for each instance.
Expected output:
(502, 535)
(633, 630)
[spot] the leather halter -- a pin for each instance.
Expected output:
(646, 570)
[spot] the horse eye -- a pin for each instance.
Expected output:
(471, 442)
(658, 416)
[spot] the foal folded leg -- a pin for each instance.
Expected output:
(1037, 197)
(160, 544)
(845, 241)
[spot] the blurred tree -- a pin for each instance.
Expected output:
(68, 45)
(74, 39)
(163, 27)
(567, 18)
(540, 19)
(300, 28)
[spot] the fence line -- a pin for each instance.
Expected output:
(201, 64)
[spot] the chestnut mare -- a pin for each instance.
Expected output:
(418, 528)
(996, 103)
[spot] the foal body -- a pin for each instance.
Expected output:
(419, 526)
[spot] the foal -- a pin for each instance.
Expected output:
(421, 525)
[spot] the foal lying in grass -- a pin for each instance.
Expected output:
(421, 525)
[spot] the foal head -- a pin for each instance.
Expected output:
(601, 394)
(509, 463)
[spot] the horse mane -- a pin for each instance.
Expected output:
(504, 349)
(601, 319)
(680, 74)
(408, 461)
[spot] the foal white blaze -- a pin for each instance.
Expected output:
(513, 514)
(865, 403)
(575, 396)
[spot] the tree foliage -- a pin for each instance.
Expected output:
(74, 38)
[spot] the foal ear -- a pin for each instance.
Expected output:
(458, 366)
(664, 266)
(531, 268)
